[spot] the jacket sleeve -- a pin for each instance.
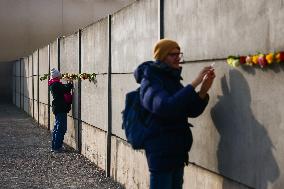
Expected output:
(67, 87)
(184, 103)
(60, 89)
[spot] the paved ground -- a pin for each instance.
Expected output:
(26, 160)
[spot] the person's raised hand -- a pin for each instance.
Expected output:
(207, 83)
(201, 76)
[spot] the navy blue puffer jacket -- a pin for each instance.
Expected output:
(170, 104)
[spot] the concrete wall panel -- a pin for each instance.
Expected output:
(30, 87)
(52, 119)
(70, 136)
(26, 105)
(43, 91)
(17, 100)
(43, 115)
(121, 84)
(43, 61)
(69, 54)
(53, 64)
(30, 65)
(128, 167)
(35, 78)
(134, 31)
(53, 55)
(239, 125)
(22, 62)
(17, 65)
(14, 90)
(35, 62)
(95, 48)
(94, 102)
(43, 69)
(30, 111)
(18, 82)
(69, 64)
(22, 82)
(94, 144)
(26, 86)
(36, 110)
(198, 178)
(217, 29)
(26, 67)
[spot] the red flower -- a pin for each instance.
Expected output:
(242, 59)
(281, 57)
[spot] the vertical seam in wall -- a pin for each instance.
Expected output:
(58, 53)
(161, 18)
(38, 87)
(33, 87)
(20, 83)
(109, 128)
(48, 96)
(79, 126)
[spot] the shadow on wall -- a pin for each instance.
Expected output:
(245, 149)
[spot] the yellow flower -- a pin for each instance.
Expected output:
(269, 58)
(255, 59)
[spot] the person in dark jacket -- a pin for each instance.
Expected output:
(170, 105)
(60, 109)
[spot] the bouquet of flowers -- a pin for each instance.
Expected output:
(72, 76)
(261, 60)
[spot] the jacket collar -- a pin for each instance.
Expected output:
(51, 81)
(176, 73)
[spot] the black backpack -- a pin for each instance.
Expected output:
(134, 120)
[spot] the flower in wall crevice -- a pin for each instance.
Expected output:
(71, 76)
(261, 60)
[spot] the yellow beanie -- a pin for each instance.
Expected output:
(163, 47)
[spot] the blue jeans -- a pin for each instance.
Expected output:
(59, 130)
(167, 179)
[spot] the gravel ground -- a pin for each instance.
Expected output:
(26, 160)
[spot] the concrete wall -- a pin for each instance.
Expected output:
(237, 140)
(69, 64)
(241, 125)
(43, 86)
(7, 73)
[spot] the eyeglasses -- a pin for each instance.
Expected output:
(180, 55)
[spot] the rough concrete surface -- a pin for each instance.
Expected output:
(26, 160)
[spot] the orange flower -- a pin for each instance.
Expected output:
(279, 57)
(269, 57)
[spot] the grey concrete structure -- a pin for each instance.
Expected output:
(134, 31)
(94, 60)
(216, 29)
(242, 136)
(237, 140)
(53, 64)
(43, 86)
(17, 85)
(7, 73)
(25, 84)
(30, 85)
(121, 84)
(22, 79)
(69, 64)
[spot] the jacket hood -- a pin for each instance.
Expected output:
(51, 81)
(150, 67)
